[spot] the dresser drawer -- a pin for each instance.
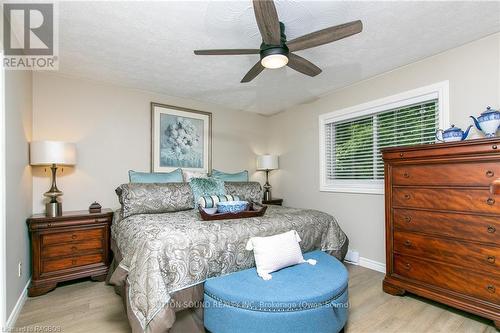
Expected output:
(466, 254)
(467, 200)
(460, 280)
(469, 227)
(454, 174)
(53, 265)
(72, 236)
(72, 248)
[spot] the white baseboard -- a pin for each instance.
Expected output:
(372, 264)
(11, 321)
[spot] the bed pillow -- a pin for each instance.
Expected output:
(210, 201)
(141, 198)
(188, 175)
(276, 252)
(241, 176)
(206, 186)
(248, 191)
(155, 177)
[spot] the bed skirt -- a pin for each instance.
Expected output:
(184, 313)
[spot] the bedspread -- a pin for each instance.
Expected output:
(164, 253)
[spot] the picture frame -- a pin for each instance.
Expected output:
(180, 138)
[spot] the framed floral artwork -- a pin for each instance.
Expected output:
(180, 138)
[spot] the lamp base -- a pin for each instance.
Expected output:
(267, 195)
(53, 209)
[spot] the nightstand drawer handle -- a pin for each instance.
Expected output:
(491, 288)
(74, 236)
(490, 201)
(491, 229)
(490, 173)
(406, 175)
(407, 267)
(491, 259)
(407, 196)
(407, 219)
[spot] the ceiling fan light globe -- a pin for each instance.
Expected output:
(274, 61)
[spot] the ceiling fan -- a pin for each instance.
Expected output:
(275, 51)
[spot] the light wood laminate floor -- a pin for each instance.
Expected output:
(94, 307)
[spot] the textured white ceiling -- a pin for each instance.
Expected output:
(149, 45)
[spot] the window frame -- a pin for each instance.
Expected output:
(439, 91)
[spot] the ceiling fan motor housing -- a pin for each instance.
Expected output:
(283, 50)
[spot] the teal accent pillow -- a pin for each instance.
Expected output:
(206, 186)
(156, 177)
(241, 176)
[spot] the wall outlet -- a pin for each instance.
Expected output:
(19, 269)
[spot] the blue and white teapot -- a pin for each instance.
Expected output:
(452, 134)
(488, 122)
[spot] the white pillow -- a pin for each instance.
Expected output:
(276, 252)
(187, 175)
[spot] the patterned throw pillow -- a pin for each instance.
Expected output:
(248, 191)
(139, 198)
(206, 186)
(276, 252)
(210, 201)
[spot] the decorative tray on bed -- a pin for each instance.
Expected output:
(254, 209)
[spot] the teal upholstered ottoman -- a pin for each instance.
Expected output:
(301, 298)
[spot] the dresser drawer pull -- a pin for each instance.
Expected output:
(74, 236)
(491, 259)
(407, 196)
(402, 154)
(494, 147)
(491, 289)
(407, 219)
(490, 201)
(491, 229)
(407, 243)
(406, 175)
(407, 267)
(490, 173)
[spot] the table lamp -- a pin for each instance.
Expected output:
(267, 163)
(53, 153)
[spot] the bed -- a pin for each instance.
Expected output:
(162, 259)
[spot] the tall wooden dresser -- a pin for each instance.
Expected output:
(443, 224)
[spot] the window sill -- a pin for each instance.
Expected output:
(360, 190)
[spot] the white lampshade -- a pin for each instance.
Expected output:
(52, 152)
(267, 162)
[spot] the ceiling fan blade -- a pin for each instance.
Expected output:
(302, 65)
(226, 52)
(253, 72)
(325, 36)
(267, 20)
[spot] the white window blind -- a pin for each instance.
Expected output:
(352, 147)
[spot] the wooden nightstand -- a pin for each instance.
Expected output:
(277, 202)
(67, 247)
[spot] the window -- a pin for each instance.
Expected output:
(351, 140)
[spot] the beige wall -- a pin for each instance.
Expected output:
(111, 128)
(19, 194)
(474, 75)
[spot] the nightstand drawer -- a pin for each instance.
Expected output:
(64, 263)
(72, 248)
(72, 236)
